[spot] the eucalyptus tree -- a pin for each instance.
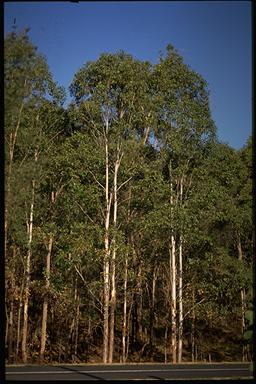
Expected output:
(112, 101)
(235, 175)
(28, 83)
(215, 214)
(184, 129)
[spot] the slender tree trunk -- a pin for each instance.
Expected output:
(139, 304)
(106, 255)
(129, 328)
(28, 260)
(77, 324)
(12, 143)
(113, 269)
(242, 295)
(173, 299)
(165, 343)
(11, 314)
(173, 274)
(19, 318)
(10, 341)
(72, 325)
(45, 303)
(193, 326)
(112, 310)
(27, 278)
(124, 333)
(180, 331)
(152, 307)
(106, 295)
(6, 326)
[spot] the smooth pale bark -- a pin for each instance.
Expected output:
(77, 323)
(242, 296)
(106, 289)
(172, 250)
(113, 269)
(152, 307)
(124, 330)
(9, 331)
(45, 303)
(129, 326)
(12, 143)
(193, 326)
(28, 263)
(27, 278)
(10, 341)
(180, 331)
(173, 274)
(6, 326)
(19, 317)
(139, 306)
(147, 129)
(47, 283)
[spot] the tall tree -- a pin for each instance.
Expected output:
(27, 84)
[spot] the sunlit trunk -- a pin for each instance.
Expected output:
(12, 143)
(124, 333)
(45, 303)
(172, 251)
(27, 278)
(242, 296)
(193, 327)
(173, 274)
(10, 323)
(152, 307)
(77, 324)
(106, 255)
(113, 269)
(19, 319)
(180, 331)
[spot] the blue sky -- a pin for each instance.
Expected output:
(214, 38)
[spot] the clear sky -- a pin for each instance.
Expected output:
(214, 38)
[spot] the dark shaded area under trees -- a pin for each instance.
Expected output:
(128, 225)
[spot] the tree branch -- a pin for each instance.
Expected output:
(125, 182)
(196, 304)
(86, 214)
(83, 279)
(97, 181)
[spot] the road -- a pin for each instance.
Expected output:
(128, 372)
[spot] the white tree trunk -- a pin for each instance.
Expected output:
(125, 311)
(113, 270)
(45, 303)
(28, 262)
(180, 332)
(193, 327)
(12, 143)
(242, 295)
(106, 255)
(27, 278)
(173, 299)
(173, 274)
